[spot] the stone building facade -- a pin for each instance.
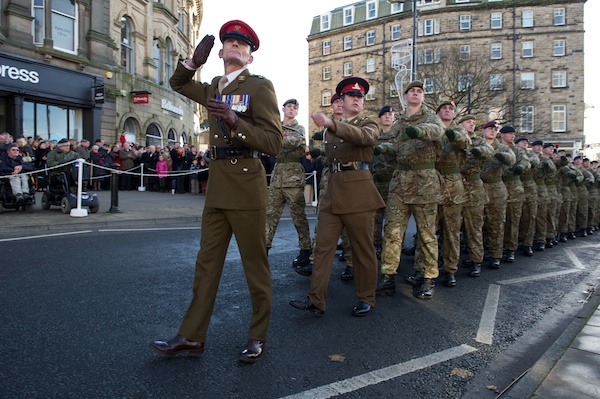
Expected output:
(95, 69)
(520, 62)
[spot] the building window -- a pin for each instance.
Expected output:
(527, 119)
(496, 20)
(370, 66)
(427, 2)
(127, 46)
(370, 94)
(496, 81)
(559, 48)
(465, 52)
(347, 43)
(462, 1)
(153, 134)
(326, 98)
(396, 8)
(395, 60)
(428, 86)
(347, 68)
(559, 118)
(428, 27)
(527, 19)
(465, 23)
(559, 16)
(168, 58)
(395, 32)
(559, 78)
(429, 56)
(326, 47)
(371, 10)
(63, 21)
(393, 91)
(527, 50)
(38, 22)
(327, 73)
(464, 82)
(45, 120)
(370, 38)
(348, 16)
(496, 51)
(156, 59)
(325, 22)
(528, 80)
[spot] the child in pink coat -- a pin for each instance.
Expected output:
(162, 170)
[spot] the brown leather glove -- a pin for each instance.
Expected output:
(203, 50)
(221, 110)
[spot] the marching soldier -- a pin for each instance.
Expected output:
(530, 206)
(545, 166)
(567, 176)
(350, 201)
(287, 183)
(415, 189)
(555, 199)
(583, 196)
(593, 193)
(473, 209)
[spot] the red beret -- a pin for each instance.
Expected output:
(353, 86)
(239, 30)
(493, 124)
(334, 98)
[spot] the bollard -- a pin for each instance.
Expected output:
(114, 193)
(78, 212)
(142, 187)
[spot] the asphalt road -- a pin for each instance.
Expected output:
(79, 310)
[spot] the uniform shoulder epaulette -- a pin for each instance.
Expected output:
(258, 76)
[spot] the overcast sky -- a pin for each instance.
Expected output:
(283, 27)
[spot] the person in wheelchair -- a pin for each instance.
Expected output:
(62, 154)
(12, 165)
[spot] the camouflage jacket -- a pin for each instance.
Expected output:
(415, 179)
(471, 170)
(453, 157)
(384, 164)
(288, 171)
(492, 168)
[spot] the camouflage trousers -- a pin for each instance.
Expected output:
(294, 196)
(495, 216)
(592, 208)
(551, 218)
(563, 217)
(582, 211)
(573, 215)
(397, 215)
(528, 220)
(383, 188)
(473, 217)
(450, 217)
(511, 225)
(541, 222)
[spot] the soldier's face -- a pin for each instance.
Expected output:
(490, 132)
(523, 144)
(387, 119)
(446, 113)
(508, 137)
(468, 125)
(352, 104)
(290, 110)
(537, 148)
(235, 52)
(414, 96)
(337, 107)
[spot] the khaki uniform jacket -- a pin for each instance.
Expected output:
(471, 170)
(454, 156)
(240, 183)
(351, 191)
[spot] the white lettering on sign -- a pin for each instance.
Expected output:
(168, 105)
(14, 73)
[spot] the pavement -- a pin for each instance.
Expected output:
(570, 368)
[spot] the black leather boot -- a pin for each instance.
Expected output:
(303, 258)
(539, 246)
(475, 270)
(425, 290)
(549, 243)
(348, 274)
(562, 237)
(571, 235)
(494, 263)
(387, 285)
(528, 251)
(414, 279)
(449, 279)
(509, 256)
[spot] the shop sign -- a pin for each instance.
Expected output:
(141, 98)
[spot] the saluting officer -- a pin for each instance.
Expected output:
(243, 117)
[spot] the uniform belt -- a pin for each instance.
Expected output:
(510, 178)
(526, 178)
(473, 177)
(346, 166)
(287, 160)
(231, 152)
(450, 170)
(492, 180)
(416, 166)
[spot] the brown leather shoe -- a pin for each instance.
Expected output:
(253, 351)
(176, 345)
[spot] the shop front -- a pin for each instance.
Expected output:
(46, 101)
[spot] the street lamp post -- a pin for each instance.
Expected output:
(413, 69)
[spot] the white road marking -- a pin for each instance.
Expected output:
(149, 229)
(385, 374)
(485, 332)
(574, 259)
(44, 235)
(538, 276)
